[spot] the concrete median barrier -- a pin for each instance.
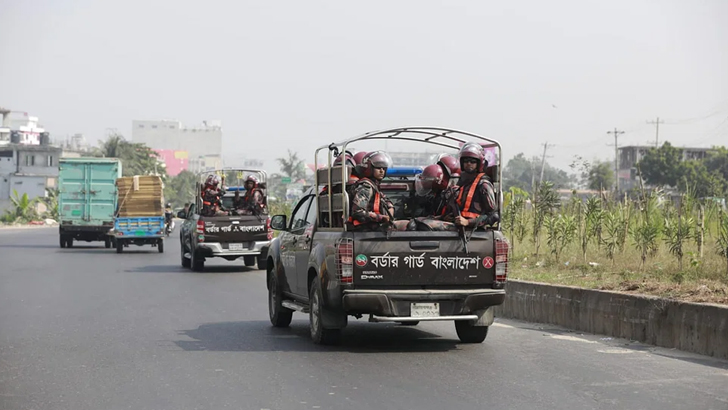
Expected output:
(693, 327)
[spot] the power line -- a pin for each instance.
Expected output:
(657, 130)
(616, 133)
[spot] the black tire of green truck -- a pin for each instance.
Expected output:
(107, 242)
(69, 242)
(249, 260)
(160, 245)
(468, 333)
(279, 316)
(319, 334)
(198, 264)
(119, 246)
(63, 241)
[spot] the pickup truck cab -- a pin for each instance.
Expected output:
(225, 236)
(320, 268)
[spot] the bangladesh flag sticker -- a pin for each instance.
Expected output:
(361, 260)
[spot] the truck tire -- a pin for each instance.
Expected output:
(279, 316)
(119, 246)
(160, 246)
(107, 242)
(319, 334)
(186, 262)
(69, 243)
(415, 323)
(63, 241)
(262, 263)
(198, 264)
(249, 260)
(469, 333)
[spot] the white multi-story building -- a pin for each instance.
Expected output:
(202, 144)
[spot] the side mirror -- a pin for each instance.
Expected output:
(181, 215)
(278, 222)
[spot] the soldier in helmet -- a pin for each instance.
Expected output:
(211, 194)
(253, 203)
(475, 200)
(370, 209)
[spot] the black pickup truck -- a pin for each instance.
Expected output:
(225, 236)
(318, 267)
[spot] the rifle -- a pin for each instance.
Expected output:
(461, 229)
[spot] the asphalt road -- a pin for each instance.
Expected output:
(85, 328)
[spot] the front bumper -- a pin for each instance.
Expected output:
(396, 303)
(211, 249)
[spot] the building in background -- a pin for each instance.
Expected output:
(629, 157)
(202, 144)
(20, 128)
(27, 169)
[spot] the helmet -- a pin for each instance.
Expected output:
(169, 204)
(475, 151)
(359, 156)
(431, 178)
(450, 165)
(252, 178)
(375, 159)
(349, 159)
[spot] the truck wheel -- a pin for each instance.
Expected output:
(262, 264)
(63, 241)
(415, 323)
(186, 263)
(319, 334)
(69, 242)
(469, 333)
(119, 246)
(249, 260)
(160, 246)
(107, 243)
(198, 264)
(279, 316)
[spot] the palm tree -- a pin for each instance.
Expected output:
(292, 166)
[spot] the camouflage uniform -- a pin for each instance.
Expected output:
(211, 204)
(363, 217)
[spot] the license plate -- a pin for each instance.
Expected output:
(424, 309)
(236, 247)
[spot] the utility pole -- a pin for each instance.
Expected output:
(616, 133)
(546, 146)
(657, 129)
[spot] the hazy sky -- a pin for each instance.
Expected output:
(300, 74)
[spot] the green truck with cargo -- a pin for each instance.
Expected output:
(87, 200)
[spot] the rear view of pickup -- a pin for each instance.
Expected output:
(322, 269)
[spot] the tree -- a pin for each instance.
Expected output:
(600, 176)
(519, 172)
(23, 209)
(181, 188)
(700, 181)
(717, 161)
(662, 166)
(136, 158)
(292, 167)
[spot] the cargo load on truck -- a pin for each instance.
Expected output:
(140, 195)
(140, 216)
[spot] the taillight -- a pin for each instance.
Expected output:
(345, 260)
(200, 231)
(501, 260)
(269, 229)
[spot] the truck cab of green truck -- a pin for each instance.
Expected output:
(87, 200)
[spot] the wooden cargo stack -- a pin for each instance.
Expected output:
(140, 195)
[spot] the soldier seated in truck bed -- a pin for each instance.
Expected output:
(370, 209)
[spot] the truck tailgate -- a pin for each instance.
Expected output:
(411, 259)
(235, 229)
